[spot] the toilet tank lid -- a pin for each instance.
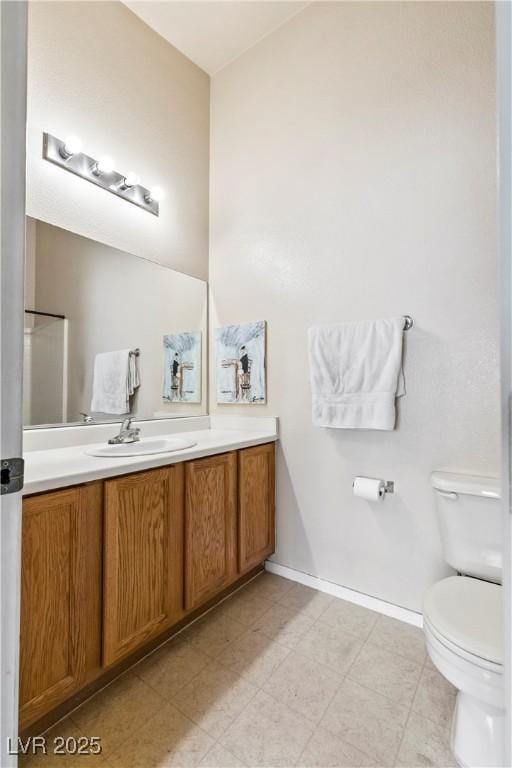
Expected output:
(473, 485)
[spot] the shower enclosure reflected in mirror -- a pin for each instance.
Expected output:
(108, 333)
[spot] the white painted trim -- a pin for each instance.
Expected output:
(13, 66)
(373, 603)
(65, 366)
(504, 104)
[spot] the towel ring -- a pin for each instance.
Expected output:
(408, 322)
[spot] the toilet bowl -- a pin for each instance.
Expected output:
(463, 632)
(462, 616)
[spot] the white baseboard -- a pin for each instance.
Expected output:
(373, 603)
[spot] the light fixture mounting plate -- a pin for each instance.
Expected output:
(82, 165)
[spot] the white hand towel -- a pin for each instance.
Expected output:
(356, 374)
(111, 383)
(133, 374)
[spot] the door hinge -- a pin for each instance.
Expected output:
(12, 472)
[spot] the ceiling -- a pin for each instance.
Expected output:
(214, 32)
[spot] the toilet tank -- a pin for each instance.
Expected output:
(470, 521)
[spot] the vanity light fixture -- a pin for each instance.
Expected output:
(70, 146)
(68, 155)
(129, 181)
(103, 166)
(155, 194)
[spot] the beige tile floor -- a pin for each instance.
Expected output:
(277, 675)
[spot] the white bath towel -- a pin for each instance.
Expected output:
(115, 379)
(356, 373)
(133, 374)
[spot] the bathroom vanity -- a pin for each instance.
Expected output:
(118, 554)
(124, 543)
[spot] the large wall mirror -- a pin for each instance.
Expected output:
(108, 334)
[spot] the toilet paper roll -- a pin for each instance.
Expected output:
(369, 488)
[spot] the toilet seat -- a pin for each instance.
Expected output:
(450, 649)
(465, 614)
(462, 618)
(461, 621)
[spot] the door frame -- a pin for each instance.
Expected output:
(504, 107)
(13, 71)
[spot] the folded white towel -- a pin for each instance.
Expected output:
(356, 374)
(115, 379)
(133, 374)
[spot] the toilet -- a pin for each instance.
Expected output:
(462, 615)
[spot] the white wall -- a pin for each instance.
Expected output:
(96, 70)
(353, 177)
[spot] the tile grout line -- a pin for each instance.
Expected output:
(317, 725)
(254, 694)
(426, 717)
(194, 676)
(392, 653)
(343, 677)
(368, 639)
(371, 690)
(397, 753)
(97, 693)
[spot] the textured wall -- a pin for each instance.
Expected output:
(96, 70)
(353, 177)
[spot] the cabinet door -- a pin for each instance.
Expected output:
(256, 522)
(60, 635)
(143, 560)
(210, 527)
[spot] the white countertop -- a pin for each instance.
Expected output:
(53, 468)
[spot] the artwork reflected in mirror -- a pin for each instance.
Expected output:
(95, 318)
(182, 367)
(240, 355)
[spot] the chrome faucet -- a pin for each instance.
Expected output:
(127, 433)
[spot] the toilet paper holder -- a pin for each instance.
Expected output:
(389, 486)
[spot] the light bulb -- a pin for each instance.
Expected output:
(131, 180)
(72, 146)
(104, 165)
(155, 195)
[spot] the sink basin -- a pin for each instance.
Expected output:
(142, 447)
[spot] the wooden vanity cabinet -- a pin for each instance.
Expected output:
(210, 527)
(256, 505)
(60, 635)
(109, 566)
(143, 558)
